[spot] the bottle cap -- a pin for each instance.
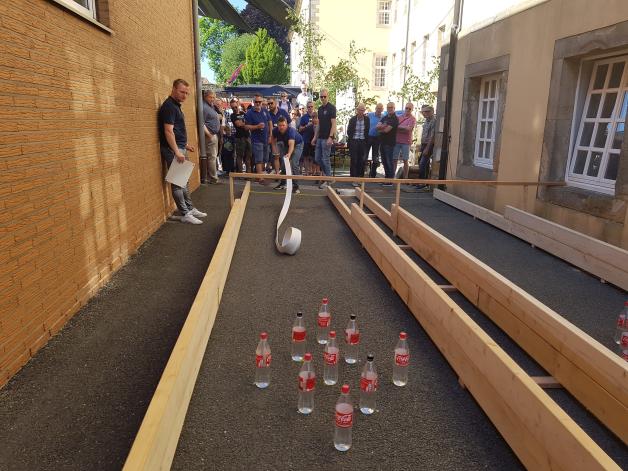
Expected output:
(332, 334)
(307, 357)
(325, 300)
(403, 335)
(345, 389)
(370, 357)
(263, 335)
(352, 317)
(299, 314)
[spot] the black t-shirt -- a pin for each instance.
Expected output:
(389, 138)
(325, 114)
(240, 132)
(170, 113)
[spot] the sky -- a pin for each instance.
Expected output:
(205, 70)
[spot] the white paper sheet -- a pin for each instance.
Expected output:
(292, 237)
(179, 173)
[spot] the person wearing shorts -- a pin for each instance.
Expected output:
(257, 124)
(287, 142)
(404, 139)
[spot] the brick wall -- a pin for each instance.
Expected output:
(81, 182)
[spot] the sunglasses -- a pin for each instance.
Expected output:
(257, 102)
(323, 96)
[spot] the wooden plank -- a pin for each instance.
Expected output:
(473, 209)
(546, 382)
(448, 288)
(592, 255)
(539, 431)
(383, 214)
(156, 441)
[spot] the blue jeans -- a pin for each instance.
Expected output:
(321, 156)
(387, 160)
(424, 163)
(375, 152)
(181, 195)
(294, 158)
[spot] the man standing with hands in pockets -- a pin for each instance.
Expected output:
(173, 145)
(325, 134)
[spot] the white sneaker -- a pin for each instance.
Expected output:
(190, 219)
(197, 214)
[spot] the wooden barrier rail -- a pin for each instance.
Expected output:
(593, 374)
(541, 434)
(156, 442)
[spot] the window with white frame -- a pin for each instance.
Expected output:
(87, 7)
(600, 133)
(380, 71)
(487, 121)
(383, 12)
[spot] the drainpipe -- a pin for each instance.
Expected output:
(199, 94)
(405, 56)
(453, 41)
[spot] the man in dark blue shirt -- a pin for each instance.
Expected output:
(387, 128)
(173, 144)
(287, 142)
(258, 123)
(275, 113)
(307, 128)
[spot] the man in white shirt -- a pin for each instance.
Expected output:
(303, 97)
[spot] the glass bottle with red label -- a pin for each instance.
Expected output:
(298, 337)
(262, 362)
(402, 360)
(622, 323)
(330, 358)
(307, 384)
(343, 420)
(369, 384)
(324, 321)
(623, 345)
(352, 340)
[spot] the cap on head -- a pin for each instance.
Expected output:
(299, 314)
(325, 300)
(370, 357)
(345, 389)
(427, 108)
(307, 357)
(263, 335)
(403, 335)
(352, 317)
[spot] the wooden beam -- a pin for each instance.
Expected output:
(448, 288)
(156, 441)
(537, 429)
(592, 373)
(546, 382)
(404, 247)
(231, 192)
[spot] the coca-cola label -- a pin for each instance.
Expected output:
(344, 420)
(621, 321)
(352, 337)
(369, 385)
(624, 354)
(307, 384)
(624, 339)
(298, 335)
(259, 361)
(402, 359)
(324, 321)
(330, 358)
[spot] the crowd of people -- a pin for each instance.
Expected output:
(255, 138)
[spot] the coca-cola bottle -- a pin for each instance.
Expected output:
(307, 383)
(622, 323)
(330, 357)
(352, 339)
(324, 321)
(298, 337)
(344, 420)
(262, 362)
(623, 343)
(369, 384)
(402, 360)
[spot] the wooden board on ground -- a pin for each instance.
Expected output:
(592, 373)
(156, 442)
(536, 428)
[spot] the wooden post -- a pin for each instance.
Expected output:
(397, 192)
(231, 198)
(362, 195)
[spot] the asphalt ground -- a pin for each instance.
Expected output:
(78, 404)
(432, 423)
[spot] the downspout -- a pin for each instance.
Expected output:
(405, 56)
(453, 41)
(199, 94)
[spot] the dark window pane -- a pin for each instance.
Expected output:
(487, 149)
(492, 110)
(594, 164)
(602, 133)
(484, 109)
(489, 130)
(594, 104)
(609, 105)
(581, 160)
(587, 132)
(481, 150)
(486, 85)
(619, 135)
(482, 129)
(600, 77)
(624, 107)
(611, 167)
(616, 73)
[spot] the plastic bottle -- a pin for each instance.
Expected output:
(344, 420)
(262, 362)
(307, 383)
(352, 339)
(622, 323)
(402, 360)
(330, 358)
(323, 321)
(298, 337)
(369, 384)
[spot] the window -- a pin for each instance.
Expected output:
(87, 7)
(487, 121)
(380, 71)
(595, 156)
(383, 12)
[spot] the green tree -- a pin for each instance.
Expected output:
(312, 62)
(265, 61)
(213, 36)
(416, 89)
(233, 54)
